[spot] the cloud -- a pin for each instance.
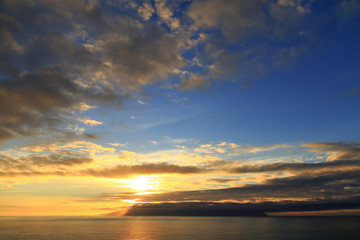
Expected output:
(256, 149)
(118, 144)
(136, 61)
(349, 9)
(59, 160)
(58, 56)
(220, 148)
(120, 171)
(146, 11)
(237, 23)
(305, 183)
(83, 147)
(295, 167)
(73, 160)
(207, 208)
(147, 168)
(90, 122)
(192, 82)
(166, 14)
(223, 180)
(336, 151)
(355, 92)
(170, 161)
(338, 184)
(242, 19)
(54, 159)
(31, 173)
(232, 17)
(40, 164)
(233, 148)
(141, 102)
(34, 102)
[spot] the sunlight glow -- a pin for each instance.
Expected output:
(142, 183)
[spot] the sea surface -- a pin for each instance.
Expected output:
(171, 228)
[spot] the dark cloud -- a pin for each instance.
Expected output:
(58, 55)
(35, 101)
(295, 167)
(355, 92)
(59, 160)
(240, 20)
(336, 184)
(191, 82)
(146, 56)
(32, 173)
(25, 165)
(150, 168)
(244, 36)
(349, 9)
(223, 180)
(337, 151)
(238, 209)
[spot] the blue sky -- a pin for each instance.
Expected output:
(154, 98)
(307, 98)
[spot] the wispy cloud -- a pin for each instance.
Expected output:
(90, 122)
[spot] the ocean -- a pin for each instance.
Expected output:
(179, 228)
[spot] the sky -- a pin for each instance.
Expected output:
(114, 107)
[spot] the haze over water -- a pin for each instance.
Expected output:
(179, 228)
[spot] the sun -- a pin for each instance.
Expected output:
(142, 183)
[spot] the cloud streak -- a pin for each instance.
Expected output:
(295, 167)
(156, 168)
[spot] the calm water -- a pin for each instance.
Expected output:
(169, 228)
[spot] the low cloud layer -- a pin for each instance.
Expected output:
(296, 167)
(237, 209)
(324, 185)
(340, 184)
(124, 171)
(35, 159)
